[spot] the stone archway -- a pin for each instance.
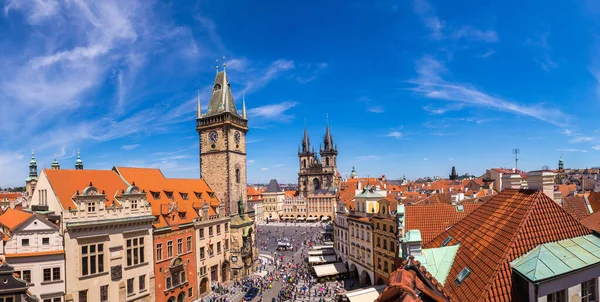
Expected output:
(365, 279)
(203, 286)
(171, 299)
(352, 271)
(181, 297)
(225, 272)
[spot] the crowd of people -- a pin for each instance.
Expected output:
(285, 277)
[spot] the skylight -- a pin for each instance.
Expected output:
(460, 208)
(446, 241)
(462, 276)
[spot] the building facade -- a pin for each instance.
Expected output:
(321, 204)
(385, 233)
(35, 250)
(294, 207)
(340, 233)
(317, 172)
(273, 201)
(222, 134)
(107, 233)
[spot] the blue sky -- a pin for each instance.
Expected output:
(411, 87)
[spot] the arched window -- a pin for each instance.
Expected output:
(304, 163)
(237, 175)
(327, 161)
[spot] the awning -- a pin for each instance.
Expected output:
(330, 269)
(311, 219)
(293, 218)
(325, 218)
(322, 259)
(300, 219)
(365, 294)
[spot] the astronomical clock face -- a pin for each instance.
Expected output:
(213, 136)
(236, 137)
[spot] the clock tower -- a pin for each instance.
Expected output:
(222, 132)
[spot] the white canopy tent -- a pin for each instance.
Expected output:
(330, 269)
(322, 259)
(365, 294)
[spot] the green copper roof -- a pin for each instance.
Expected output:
(557, 258)
(368, 193)
(413, 236)
(438, 261)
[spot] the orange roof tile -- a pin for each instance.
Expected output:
(592, 222)
(434, 219)
(576, 206)
(13, 218)
(66, 183)
(32, 254)
(252, 191)
(565, 190)
(594, 200)
(502, 229)
(10, 195)
(291, 193)
(183, 193)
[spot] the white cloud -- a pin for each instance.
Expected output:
(576, 137)
(428, 17)
(395, 134)
(273, 111)
(468, 32)
(375, 109)
(572, 150)
(264, 169)
(596, 147)
(430, 84)
(264, 77)
(250, 161)
(543, 56)
(487, 54)
(129, 147)
(425, 158)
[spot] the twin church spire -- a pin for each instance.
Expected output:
(328, 145)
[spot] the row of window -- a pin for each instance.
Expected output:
(211, 249)
(92, 255)
(383, 227)
(385, 244)
(141, 284)
(385, 265)
(45, 241)
(180, 250)
(49, 274)
(210, 230)
(184, 196)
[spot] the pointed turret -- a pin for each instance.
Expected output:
(55, 165)
(243, 106)
(453, 175)
(561, 163)
(199, 109)
(78, 162)
(32, 167)
(305, 141)
(353, 174)
(221, 99)
(328, 140)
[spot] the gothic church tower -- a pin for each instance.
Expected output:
(317, 173)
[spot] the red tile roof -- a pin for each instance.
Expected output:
(434, 219)
(576, 206)
(594, 200)
(565, 190)
(10, 195)
(502, 229)
(66, 183)
(152, 180)
(13, 218)
(592, 222)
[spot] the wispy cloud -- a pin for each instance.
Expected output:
(572, 150)
(487, 54)
(264, 169)
(543, 55)
(425, 158)
(577, 137)
(431, 84)
(273, 112)
(129, 147)
(316, 69)
(395, 134)
(439, 30)
(376, 109)
(596, 147)
(250, 161)
(262, 79)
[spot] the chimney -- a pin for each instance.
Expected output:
(511, 181)
(412, 243)
(542, 181)
(359, 186)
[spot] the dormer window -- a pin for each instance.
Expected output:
(198, 195)
(211, 194)
(462, 276)
(155, 195)
(91, 207)
(184, 196)
(169, 194)
(134, 204)
(217, 87)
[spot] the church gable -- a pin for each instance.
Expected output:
(37, 224)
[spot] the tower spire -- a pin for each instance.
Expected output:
(33, 166)
(225, 88)
(79, 162)
(243, 105)
(305, 140)
(199, 110)
(328, 141)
